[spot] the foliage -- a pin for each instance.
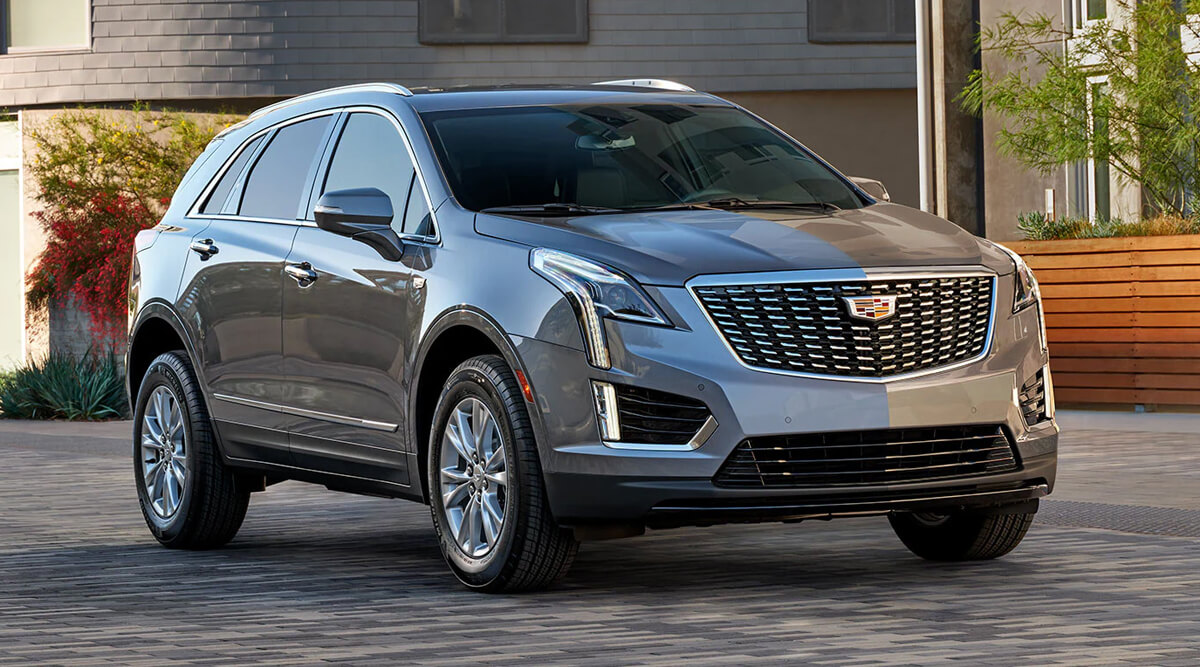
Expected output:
(1151, 108)
(102, 176)
(64, 387)
(1037, 227)
(87, 255)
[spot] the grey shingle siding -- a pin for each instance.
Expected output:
(162, 49)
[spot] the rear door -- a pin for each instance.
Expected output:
(346, 334)
(231, 294)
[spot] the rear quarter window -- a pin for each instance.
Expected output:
(216, 199)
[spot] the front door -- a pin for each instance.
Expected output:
(346, 323)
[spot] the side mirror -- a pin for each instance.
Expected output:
(363, 214)
(872, 187)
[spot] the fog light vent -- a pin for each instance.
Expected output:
(634, 415)
(1033, 399)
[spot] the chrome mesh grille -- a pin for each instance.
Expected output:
(806, 327)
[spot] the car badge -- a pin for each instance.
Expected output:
(871, 308)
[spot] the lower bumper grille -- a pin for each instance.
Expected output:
(1033, 399)
(657, 417)
(854, 458)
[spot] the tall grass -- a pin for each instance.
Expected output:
(64, 387)
(1036, 226)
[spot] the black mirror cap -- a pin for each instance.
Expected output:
(350, 212)
(363, 214)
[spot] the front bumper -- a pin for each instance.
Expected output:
(591, 483)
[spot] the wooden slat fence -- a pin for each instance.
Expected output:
(1122, 317)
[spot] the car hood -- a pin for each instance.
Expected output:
(670, 247)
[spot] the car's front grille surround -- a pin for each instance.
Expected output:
(804, 326)
(866, 458)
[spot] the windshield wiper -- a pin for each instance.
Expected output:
(736, 202)
(552, 208)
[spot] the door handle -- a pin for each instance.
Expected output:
(302, 273)
(204, 248)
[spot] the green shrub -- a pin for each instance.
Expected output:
(1037, 227)
(64, 387)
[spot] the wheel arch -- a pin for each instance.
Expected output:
(158, 329)
(454, 337)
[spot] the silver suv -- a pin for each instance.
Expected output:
(566, 313)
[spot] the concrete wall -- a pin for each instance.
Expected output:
(869, 133)
(1009, 188)
(195, 49)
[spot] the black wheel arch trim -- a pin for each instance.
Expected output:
(476, 319)
(161, 310)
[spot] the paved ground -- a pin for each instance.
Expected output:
(1109, 574)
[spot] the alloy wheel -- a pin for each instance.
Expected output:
(164, 452)
(473, 477)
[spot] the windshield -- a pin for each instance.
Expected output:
(602, 158)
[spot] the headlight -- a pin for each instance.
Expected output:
(1025, 290)
(595, 291)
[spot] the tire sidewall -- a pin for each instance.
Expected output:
(162, 373)
(465, 383)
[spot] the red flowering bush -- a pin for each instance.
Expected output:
(103, 176)
(87, 256)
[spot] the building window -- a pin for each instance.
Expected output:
(46, 25)
(12, 265)
(1099, 173)
(834, 21)
(503, 21)
(1088, 11)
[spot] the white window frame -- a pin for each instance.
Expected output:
(5, 49)
(18, 164)
(1081, 20)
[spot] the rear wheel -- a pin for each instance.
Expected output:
(487, 496)
(960, 536)
(188, 496)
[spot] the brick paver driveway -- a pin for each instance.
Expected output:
(1109, 574)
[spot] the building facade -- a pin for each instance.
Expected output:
(1088, 189)
(839, 76)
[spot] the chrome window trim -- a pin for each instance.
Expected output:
(312, 414)
(847, 275)
(706, 430)
(194, 210)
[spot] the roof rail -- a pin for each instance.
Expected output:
(364, 87)
(661, 84)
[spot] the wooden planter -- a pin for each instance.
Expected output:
(1122, 317)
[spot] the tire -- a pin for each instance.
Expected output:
(527, 550)
(960, 536)
(205, 509)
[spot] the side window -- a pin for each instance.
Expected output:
(277, 180)
(417, 220)
(217, 198)
(371, 154)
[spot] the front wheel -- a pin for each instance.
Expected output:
(960, 536)
(189, 497)
(485, 483)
